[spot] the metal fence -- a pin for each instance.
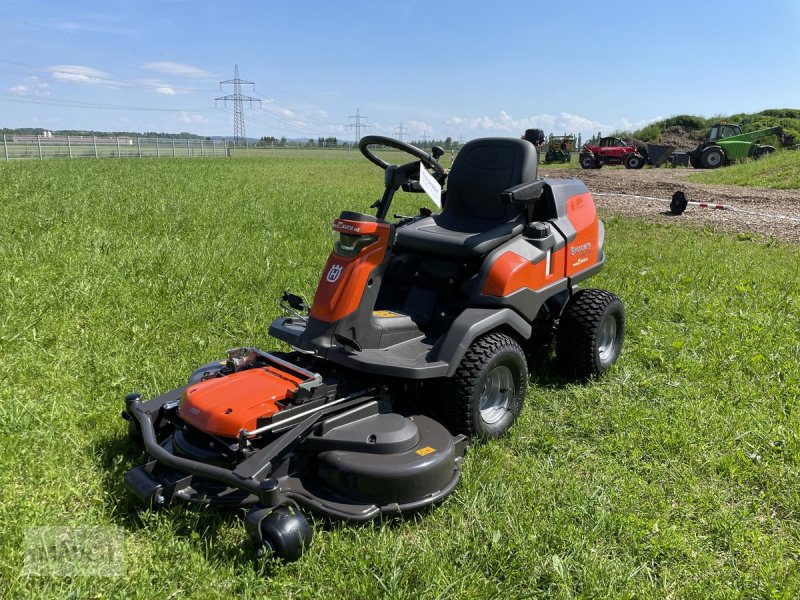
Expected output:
(38, 147)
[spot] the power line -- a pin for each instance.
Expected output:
(358, 126)
(79, 104)
(238, 99)
(400, 131)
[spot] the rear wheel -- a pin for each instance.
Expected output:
(587, 161)
(485, 396)
(762, 151)
(712, 157)
(590, 333)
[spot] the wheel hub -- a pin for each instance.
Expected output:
(607, 338)
(496, 394)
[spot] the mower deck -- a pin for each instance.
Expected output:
(348, 457)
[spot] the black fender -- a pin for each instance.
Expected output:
(470, 325)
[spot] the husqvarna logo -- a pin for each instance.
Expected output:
(573, 250)
(334, 273)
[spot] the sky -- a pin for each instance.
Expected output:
(461, 69)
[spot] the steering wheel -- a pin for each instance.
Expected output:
(426, 159)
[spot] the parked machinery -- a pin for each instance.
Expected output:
(726, 144)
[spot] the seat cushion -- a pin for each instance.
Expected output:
(449, 235)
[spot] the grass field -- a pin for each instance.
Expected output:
(780, 171)
(674, 476)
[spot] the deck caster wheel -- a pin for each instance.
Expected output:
(286, 534)
(590, 333)
(135, 433)
(485, 396)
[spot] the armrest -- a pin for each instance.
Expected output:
(524, 193)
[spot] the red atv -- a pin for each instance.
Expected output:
(612, 151)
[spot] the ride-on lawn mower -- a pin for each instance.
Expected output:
(414, 343)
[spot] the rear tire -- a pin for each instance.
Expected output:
(763, 151)
(712, 157)
(590, 333)
(485, 396)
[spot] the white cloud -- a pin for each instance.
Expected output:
(32, 85)
(174, 68)
(166, 90)
(191, 118)
(563, 122)
(78, 74)
(418, 128)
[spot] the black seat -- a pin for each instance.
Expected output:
(475, 220)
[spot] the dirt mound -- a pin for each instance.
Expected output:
(681, 137)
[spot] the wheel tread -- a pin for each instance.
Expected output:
(456, 403)
(574, 351)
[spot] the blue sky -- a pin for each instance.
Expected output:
(441, 68)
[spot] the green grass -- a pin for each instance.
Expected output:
(780, 171)
(676, 475)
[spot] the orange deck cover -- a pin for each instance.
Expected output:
(225, 405)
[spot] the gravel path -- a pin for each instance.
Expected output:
(662, 183)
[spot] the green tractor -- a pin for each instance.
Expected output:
(726, 144)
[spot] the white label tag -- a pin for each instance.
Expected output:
(430, 185)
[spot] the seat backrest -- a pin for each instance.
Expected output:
(482, 170)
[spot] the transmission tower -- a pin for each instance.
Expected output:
(400, 131)
(238, 99)
(357, 124)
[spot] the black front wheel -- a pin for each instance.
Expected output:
(587, 161)
(712, 157)
(286, 533)
(485, 396)
(634, 161)
(590, 333)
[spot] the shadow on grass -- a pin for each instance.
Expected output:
(199, 526)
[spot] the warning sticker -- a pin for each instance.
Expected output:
(385, 314)
(430, 185)
(425, 451)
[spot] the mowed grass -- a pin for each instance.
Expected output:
(675, 475)
(780, 171)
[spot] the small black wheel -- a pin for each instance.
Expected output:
(590, 333)
(634, 161)
(286, 533)
(712, 157)
(135, 432)
(587, 161)
(485, 396)
(695, 163)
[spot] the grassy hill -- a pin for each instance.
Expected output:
(685, 131)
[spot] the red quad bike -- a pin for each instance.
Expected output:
(428, 315)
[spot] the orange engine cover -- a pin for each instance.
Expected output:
(225, 405)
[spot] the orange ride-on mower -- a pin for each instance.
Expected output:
(414, 343)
